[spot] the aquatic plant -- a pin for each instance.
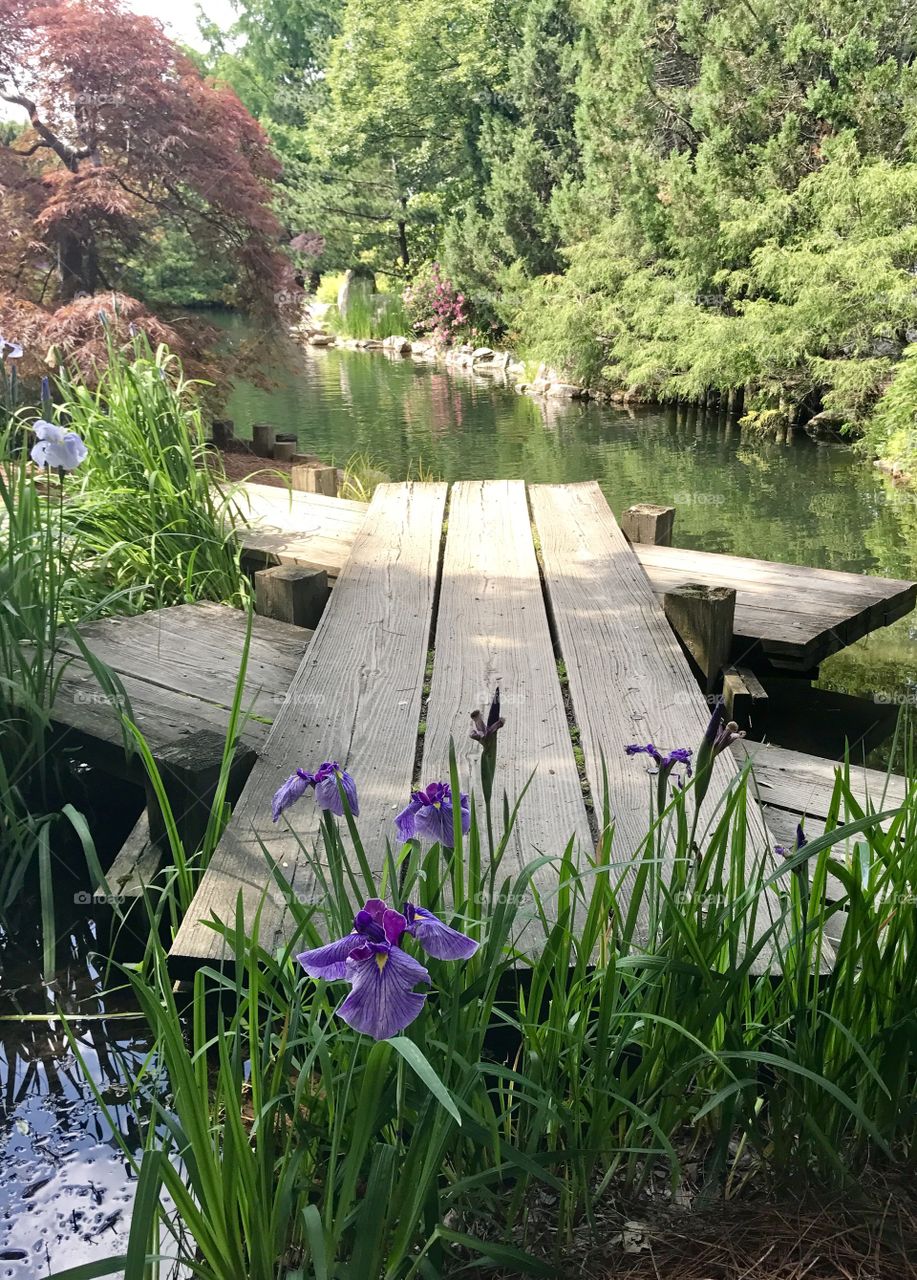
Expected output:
(431, 815)
(332, 785)
(562, 1061)
(381, 973)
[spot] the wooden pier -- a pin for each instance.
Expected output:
(787, 617)
(518, 583)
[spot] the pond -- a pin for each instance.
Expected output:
(797, 501)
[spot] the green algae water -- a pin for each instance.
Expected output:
(798, 501)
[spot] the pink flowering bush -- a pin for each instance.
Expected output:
(435, 306)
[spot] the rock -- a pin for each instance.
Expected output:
(515, 368)
(397, 342)
(566, 391)
(321, 340)
(371, 344)
(825, 426)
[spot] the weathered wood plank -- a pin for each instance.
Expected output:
(355, 699)
(800, 615)
(179, 668)
(291, 527)
(195, 651)
(135, 867)
(629, 680)
(713, 566)
(804, 783)
(492, 630)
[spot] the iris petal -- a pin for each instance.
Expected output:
(330, 961)
(438, 939)
(381, 1001)
(288, 793)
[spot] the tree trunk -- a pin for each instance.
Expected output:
(70, 266)
(403, 242)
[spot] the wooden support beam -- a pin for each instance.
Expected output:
(703, 618)
(284, 450)
(291, 593)
(222, 430)
(263, 436)
(646, 522)
(312, 479)
(190, 770)
(745, 697)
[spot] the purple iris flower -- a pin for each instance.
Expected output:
(292, 790)
(681, 755)
(429, 815)
(495, 722)
(382, 976)
(800, 843)
(9, 350)
(327, 795)
(718, 736)
(325, 782)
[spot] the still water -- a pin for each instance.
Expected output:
(797, 501)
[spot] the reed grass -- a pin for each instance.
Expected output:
(144, 522)
(573, 1056)
(370, 315)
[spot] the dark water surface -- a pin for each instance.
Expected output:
(796, 501)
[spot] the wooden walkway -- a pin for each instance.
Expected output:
(178, 668)
(787, 615)
(627, 680)
(356, 697)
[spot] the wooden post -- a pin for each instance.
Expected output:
(703, 618)
(222, 430)
(190, 771)
(291, 593)
(263, 437)
(745, 696)
(645, 522)
(284, 450)
(316, 480)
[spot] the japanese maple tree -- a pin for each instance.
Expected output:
(124, 134)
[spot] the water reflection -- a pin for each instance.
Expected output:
(65, 1185)
(793, 499)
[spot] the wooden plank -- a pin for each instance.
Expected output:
(136, 864)
(355, 699)
(753, 574)
(629, 680)
(196, 650)
(804, 783)
(290, 527)
(492, 630)
(179, 668)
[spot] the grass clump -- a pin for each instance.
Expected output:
(624, 1009)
